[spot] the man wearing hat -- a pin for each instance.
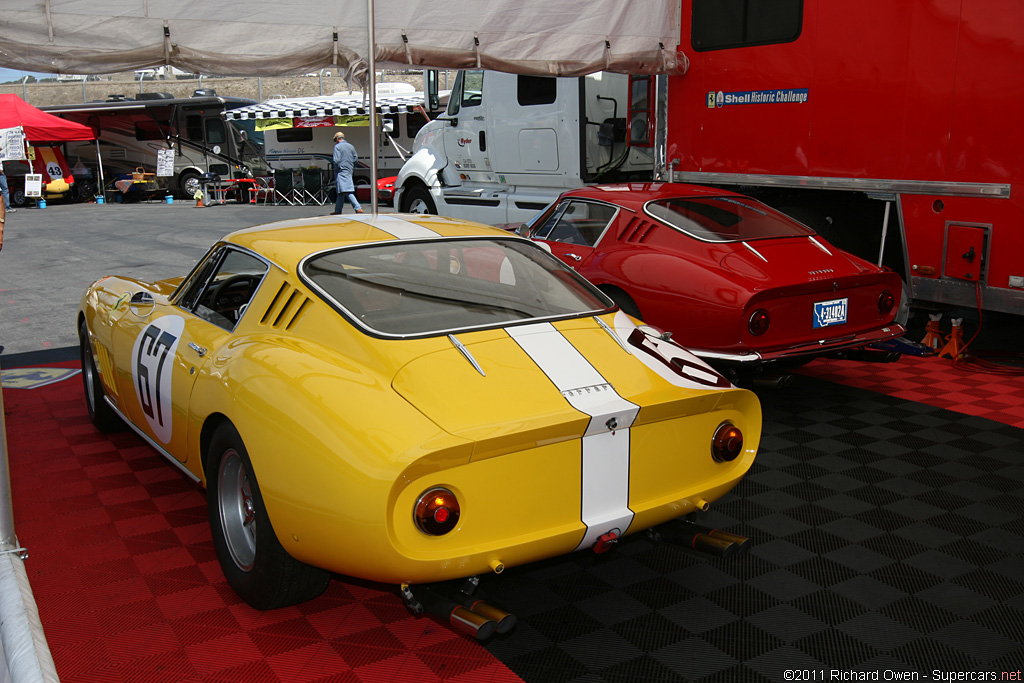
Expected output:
(345, 158)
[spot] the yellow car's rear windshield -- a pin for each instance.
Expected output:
(423, 288)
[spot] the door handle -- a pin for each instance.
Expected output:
(483, 141)
(197, 348)
(574, 256)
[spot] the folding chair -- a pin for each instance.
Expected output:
(263, 190)
(284, 189)
(313, 186)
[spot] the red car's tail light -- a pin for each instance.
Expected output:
(886, 301)
(437, 511)
(727, 443)
(759, 322)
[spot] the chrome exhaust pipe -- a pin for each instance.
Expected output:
(503, 621)
(741, 543)
(458, 616)
(702, 539)
(771, 381)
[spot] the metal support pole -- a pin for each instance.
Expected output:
(7, 536)
(373, 105)
(885, 231)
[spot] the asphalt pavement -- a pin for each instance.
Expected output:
(50, 256)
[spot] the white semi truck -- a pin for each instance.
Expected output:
(507, 145)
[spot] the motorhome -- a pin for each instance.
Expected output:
(132, 132)
(298, 132)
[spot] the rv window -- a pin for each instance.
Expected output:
(148, 130)
(723, 24)
(536, 90)
(215, 132)
(294, 134)
(194, 127)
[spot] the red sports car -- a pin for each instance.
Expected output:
(738, 283)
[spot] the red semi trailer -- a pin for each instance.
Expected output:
(894, 128)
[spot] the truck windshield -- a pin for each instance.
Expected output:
(427, 288)
(725, 219)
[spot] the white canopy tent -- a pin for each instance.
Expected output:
(284, 37)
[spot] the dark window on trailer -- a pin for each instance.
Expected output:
(294, 134)
(724, 24)
(534, 90)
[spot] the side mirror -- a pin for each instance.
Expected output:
(432, 101)
(388, 126)
(141, 304)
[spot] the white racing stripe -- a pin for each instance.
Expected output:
(606, 441)
(396, 227)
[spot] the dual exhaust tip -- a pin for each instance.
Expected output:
(463, 612)
(481, 619)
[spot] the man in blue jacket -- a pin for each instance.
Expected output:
(345, 158)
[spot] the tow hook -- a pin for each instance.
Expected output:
(605, 542)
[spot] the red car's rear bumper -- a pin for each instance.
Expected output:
(751, 358)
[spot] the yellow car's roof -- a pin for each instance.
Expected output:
(288, 242)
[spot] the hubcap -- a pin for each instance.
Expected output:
(191, 186)
(237, 510)
(418, 206)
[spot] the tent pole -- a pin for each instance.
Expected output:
(371, 39)
(7, 536)
(99, 164)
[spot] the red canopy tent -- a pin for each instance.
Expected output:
(42, 127)
(38, 125)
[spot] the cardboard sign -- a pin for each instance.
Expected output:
(165, 162)
(34, 185)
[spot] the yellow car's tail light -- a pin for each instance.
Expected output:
(727, 443)
(437, 511)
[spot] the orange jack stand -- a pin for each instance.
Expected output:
(955, 344)
(932, 334)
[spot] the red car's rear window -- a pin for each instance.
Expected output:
(725, 219)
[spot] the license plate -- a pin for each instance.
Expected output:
(827, 313)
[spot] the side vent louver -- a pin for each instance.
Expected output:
(287, 308)
(636, 230)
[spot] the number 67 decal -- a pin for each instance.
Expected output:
(152, 361)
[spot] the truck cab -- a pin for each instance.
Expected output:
(507, 145)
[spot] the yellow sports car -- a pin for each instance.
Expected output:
(406, 399)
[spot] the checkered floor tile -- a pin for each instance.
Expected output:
(935, 381)
(888, 535)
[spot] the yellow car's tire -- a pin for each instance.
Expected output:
(101, 415)
(255, 564)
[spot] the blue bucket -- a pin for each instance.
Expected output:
(169, 199)
(100, 199)
(42, 203)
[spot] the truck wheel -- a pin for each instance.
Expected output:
(255, 564)
(188, 184)
(418, 200)
(101, 415)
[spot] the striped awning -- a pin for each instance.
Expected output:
(325, 106)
